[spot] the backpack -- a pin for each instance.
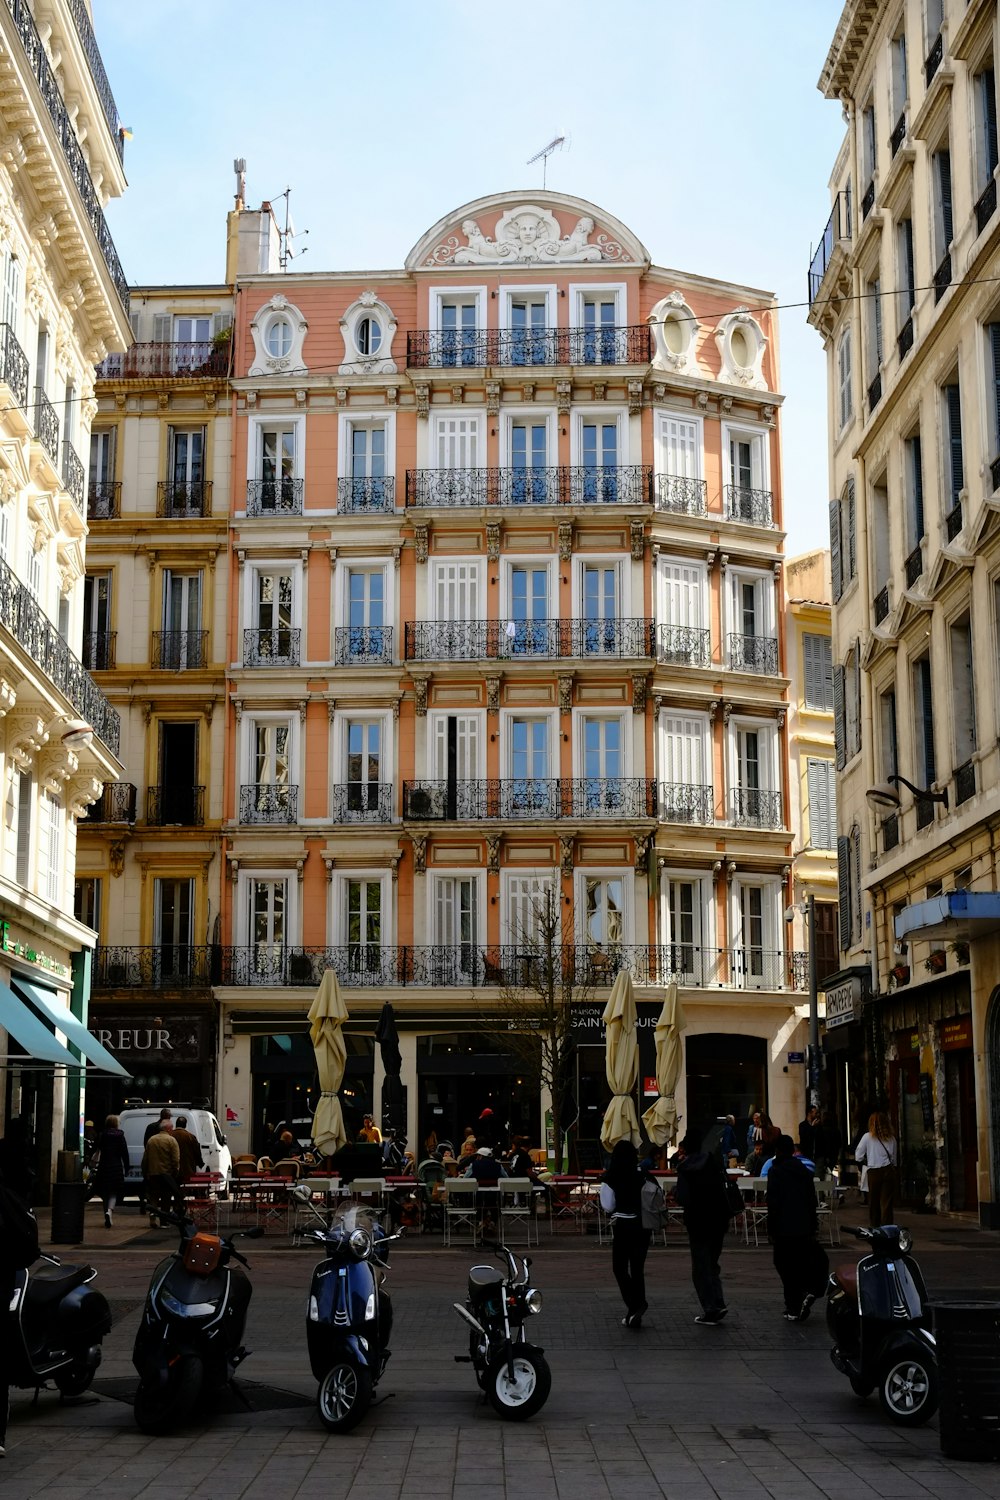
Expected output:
(18, 1232)
(653, 1205)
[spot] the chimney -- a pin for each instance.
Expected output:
(253, 242)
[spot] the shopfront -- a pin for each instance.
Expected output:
(461, 1073)
(167, 1053)
(286, 1088)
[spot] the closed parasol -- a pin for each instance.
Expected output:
(660, 1119)
(326, 1017)
(392, 1062)
(621, 1122)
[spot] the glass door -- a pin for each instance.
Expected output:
(531, 793)
(600, 610)
(173, 930)
(528, 628)
(599, 452)
(364, 765)
(267, 902)
(603, 788)
(364, 926)
(528, 459)
(684, 919)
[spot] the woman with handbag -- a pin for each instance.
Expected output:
(878, 1150)
(621, 1198)
(109, 1165)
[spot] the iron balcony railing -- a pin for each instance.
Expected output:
(31, 628)
(986, 205)
(180, 359)
(838, 227)
(868, 200)
(753, 968)
(679, 495)
(890, 833)
(183, 499)
(753, 653)
(165, 966)
(749, 505)
(880, 604)
(924, 809)
(275, 497)
(13, 365)
(366, 494)
(362, 643)
(543, 797)
(269, 802)
(914, 565)
(995, 474)
(179, 650)
(45, 77)
(898, 135)
(181, 806)
(683, 646)
(580, 484)
(942, 278)
(104, 500)
(953, 521)
(475, 348)
(484, 640)
(116, 804)
(753, 808)
(74, 476)
(874, 393)
(99, 647)
(278, 647)
(46, 425)
(934, 58)
(904, 339)
(363, 802)
(686, 802)
(965, 782)
(95, 63)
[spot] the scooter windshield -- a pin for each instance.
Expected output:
(352, 1216)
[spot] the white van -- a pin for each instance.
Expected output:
(202, 1124)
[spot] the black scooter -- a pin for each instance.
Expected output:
(54, 1328)
(190, 1339)
(513, 1373)
(875, 1313)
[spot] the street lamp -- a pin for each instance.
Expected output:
(885, 794)
(809, 908)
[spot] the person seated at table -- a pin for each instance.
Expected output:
(485, 1168)
(798, 1154)
(370, 1132)
(394, 1153)
(468, 1146)
(288, 1147)
(754, 1163)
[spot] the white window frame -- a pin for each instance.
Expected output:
(623, 586)
(343, 569)
(251, 572)
(6, 529)
(437, 716)
(735, 578)
(50, 848)
(346, 423)
(661, 419)
(265, 421)
(439, 296)
(536, 416)
(550, 716)
(434, 570)
(338, 747)
(603, 415)
(578, 718)
(769, 759)
(626, 875)
(759, 436)
(289, 875)
(704, 724)
(546, 875)
(279, 719)
(434, 429)
(434, 938)
(580, 292)
(773, 946)
(845, 379)
(337, 912)
(707, 913)
(663, 590)
(507, 565)
(537, 293)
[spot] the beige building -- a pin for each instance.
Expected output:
(904, 293)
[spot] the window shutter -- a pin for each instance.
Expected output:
(813, 670)
(944, 181)
(839, 727)
(856, 746)
(220, 322)
(989, 87)
(161, 330)
(851, 568)
(133, 319)
(844, 885)
(953, 398)
(856, 886)
(995, 352)
(838, 585)
(819, 782)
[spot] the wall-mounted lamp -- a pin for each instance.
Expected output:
(75, 734)
(885, 793)
(565, 736)
(492, 738)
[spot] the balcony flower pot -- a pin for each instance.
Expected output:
(961, 952)
(901, 973)
(936, 962)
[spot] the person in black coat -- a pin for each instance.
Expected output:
(791, 1227)
(701, 1192)
(621, 1199)
(107, 1181)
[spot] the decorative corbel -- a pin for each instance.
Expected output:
(8, 696)
(395, 709)
(116, 857)
(391, 395)
(727, 404)
(566, 856)
(565, 541)
(566, 694)
(458, 394)
(394, 868)
(421, 534)
(780, 716)
(119, 400)
(492, 398)
(420, 696)
(423, 395)
(419, 841)
(250, 397)
(702, 399)
(493, 541)
(331, 709)
(211, 397)
(81, 793)
(641, 852)
(26, 734)
(493, 695)
(163, 400)
(234, 867)
(331, 865)
(638, 539)
(241, 557)
(152, 556)
(340, 396)
(727, 712)
(786, 871)
(493, 854)
(723, 561)
(564, 397)
(730, 869)
(147, 714)
(717, 868)
(713, 709)
(397, 553)
(634, 397)
(301, 397)
(238, 708)
(710, 557)
(777, 569)
(209, 710)
(600, 390)
(528, 391)
(639, 685)
(767, 412)
(659, 391)
(657, 705)
(303, 706)
(300, 869)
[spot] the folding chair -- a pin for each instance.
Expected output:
(754, 1209)
(370, 1190)
(517, 1207)
(200, 1203)
(460, 1208)
(827, 1206)
(566, 1202)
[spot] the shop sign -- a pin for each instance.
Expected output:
(587, 1020)
(796, 1057)
(10, 944)
(649, 1089)
(842, 1003)
(956, 1034)
(132, 1038)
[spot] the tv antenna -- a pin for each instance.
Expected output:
(286, 250)
(545, 153)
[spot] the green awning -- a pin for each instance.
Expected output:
(63, 1019)
(24, 1026)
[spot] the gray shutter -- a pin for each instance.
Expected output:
(852, 530)
(221, 321)
(857, 698)
(835, 564)
(819, 780)
(162, 329)
(133, 319)
(856, 890)
(844, 885)
(813, 666)
(839, 727)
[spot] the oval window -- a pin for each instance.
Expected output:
(740, 348)
(279, 337)
(368, 336)
(674, 335)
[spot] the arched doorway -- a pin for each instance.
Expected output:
(726, 1075)
(993, 1097)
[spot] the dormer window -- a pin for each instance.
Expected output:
(368, 328)
(278, 338)
(368, 336)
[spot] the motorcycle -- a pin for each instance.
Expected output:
(55, 1326)
(875, 1316)
(349, 1314)
(189, 1341)
(513, 1374)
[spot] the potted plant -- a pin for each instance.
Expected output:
(961, 951)
(901, 973)
(936, 961)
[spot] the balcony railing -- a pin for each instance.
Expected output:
(942, 278)
(933, 61)
(275, 497)
(681, 496)
(581, 484)
(986, 205)
(753, 968)
(179, 650)
(279, 647)
(880, 604)
(13, 365)
(924, 810)
(362, 643)
(874, 393)
(683, 646)
(170, 806)
(542, 797)
(686, 802)
(183, 499)
(165, 966)
(914, 566)
(506, 640)
(890, 833)
(965, 782)
(753, 653)
(181, 359)
(953, 521)
(363, 802)
(995, 474)
(898, 135)
(366, 495)
(116, 804)
(45, 77)
(46, 424)
(267, 802)
(96, 65)
(20, 614)
(448, 349)
(104, 500)
(868, 200)
(753, 808)
(74, 476)
(749, 505)
(99, 650)
(904, 339)
(838, 227)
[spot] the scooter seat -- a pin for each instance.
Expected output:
(485, 1276)
(51, 1285)
(846, 1278)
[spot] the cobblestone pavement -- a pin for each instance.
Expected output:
(746, 1411)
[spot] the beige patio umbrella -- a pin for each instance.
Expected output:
(660, 1119)
(326, 1017)
(622, 1064)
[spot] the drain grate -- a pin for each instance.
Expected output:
(225, 1403)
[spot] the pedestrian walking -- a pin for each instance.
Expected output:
(190, 1151)
(878, 1150)
(153, 1128)
(701, 1192)
(621, 1198)
(828, 1143)
(799, 1259)
(109, 1165)
(807, 1132)
(161, 1163)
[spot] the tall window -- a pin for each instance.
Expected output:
(963, 690)
(685, 769)
(50, 848)
(599, 317)
(954, 460)
(684, 928)
(906, 276)
(532, 794)
(843, 539)
(456, 922)
(457, 442)
(527, 631)
(600, 609)
(943, 220)
(364, 923)
(102, 471)
(529, 901)
(187, 455)
(528, 344)
(25, 806)
(913, 478)
(173, 927)
(270, 769)
(364, 764)
(993, 397)
(869, 144)
(845, 394)
(888, 741)
(87, 901)
(756, 958)
(274, 614)
(11, 292)
(98, 654)
(923, 733)
(528, 459)
(458, 332)
(277, 468)
(604, 911)
(599, 455)
(985, 88)
(821, 786)
(873, 320)
(817, 660)
(898, 81)
(603, 766)
(267, 903)
(181, 643)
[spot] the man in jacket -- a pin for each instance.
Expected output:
(161, 1164)
(190, 1151)
(791, 1226)
(701, 1192)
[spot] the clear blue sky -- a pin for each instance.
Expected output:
(696, 122)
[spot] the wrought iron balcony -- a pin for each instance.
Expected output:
(904, 339)
(547, 798)
(683, 646)
(890, 833)
(13, 365)
(753, 653)
(679, 495)
(179, 650)
(32, 629)
(515, 640)
(449, 349)
(104, 500)
(448, 640)
(275, 497)
(99, 650)
(362, 643)
(751, 506)
(874, 393)
(880, 604)
(181, 359)
(165, 966)
(868, 200)
(269, 802)
(484, 640)
(965, 782)
(753, 968)
(898, 135)
(363, 802)
(183, 499)
(609, 797)
(914, 566)
(279, 647)
(74, 476)
(933, 61)
(366, 494)
(45, 77)
(753, 808)
(942, 278)
(181, 806)
(986, 205)
(953, 521)
(580, 484)
(46, 425)
(838, 227)
(88, 42)
(686, 802)
(116, 804)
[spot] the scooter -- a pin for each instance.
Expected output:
(876, 1318)
(349, 1314)
(54, 1328)
(513, 1373)
(190, 1339)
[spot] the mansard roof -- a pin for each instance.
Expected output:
(527, 229)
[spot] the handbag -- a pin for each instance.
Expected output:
(653, 1205)
(734, 1198)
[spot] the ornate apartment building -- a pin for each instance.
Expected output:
(903, 292)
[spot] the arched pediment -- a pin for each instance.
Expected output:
(527, 229)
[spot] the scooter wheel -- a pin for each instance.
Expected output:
(157, 1409)
(344, 1395)
(908, 1387)
(74, 1380)
(518, 1399)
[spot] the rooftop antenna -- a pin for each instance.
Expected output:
(287, 251)
(545, 153)
(240, 168)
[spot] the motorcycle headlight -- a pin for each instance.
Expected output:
(361, 1244)
(186, 1309)
(370, 1307)
(533, 1301)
